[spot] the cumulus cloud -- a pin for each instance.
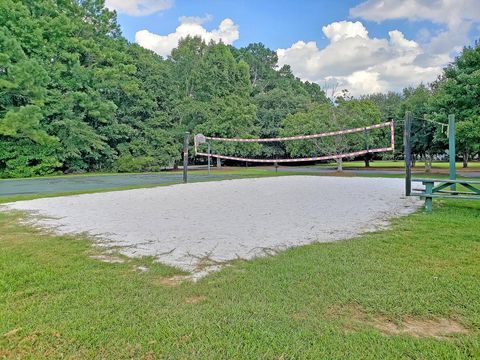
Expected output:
(342, 30)
(457, 17)
(451, 12)
(362, 64)
(138, 7)
(227, 32)
(356, 61)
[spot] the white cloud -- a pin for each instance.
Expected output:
(450, 12)
(457, 16)
(195, 19)
(138, 7)
(227, 32)
(362, 64)
(344, 29)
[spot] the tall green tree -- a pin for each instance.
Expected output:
(457, 92)
(427, 137)
(325, 118)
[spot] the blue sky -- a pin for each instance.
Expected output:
(380, 45)
(277, 23)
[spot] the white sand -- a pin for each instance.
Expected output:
(195, 226)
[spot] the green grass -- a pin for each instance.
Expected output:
(57, 302)
(473, 165)
(224, 170)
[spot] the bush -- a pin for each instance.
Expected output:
(24, 158)
(129, 163)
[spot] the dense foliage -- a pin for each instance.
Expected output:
(75, 96)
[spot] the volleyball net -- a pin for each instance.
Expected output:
(338, 144)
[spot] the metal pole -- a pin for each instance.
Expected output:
(451, 149)
(367, 159)
(408, 152)
(186, 140)
(209, 159)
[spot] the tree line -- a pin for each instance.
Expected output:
(76, 96)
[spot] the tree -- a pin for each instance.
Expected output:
(321, 118)
(101, 93)
(389, 103)
(27, 149)
(187, 57)
(468, 138)
(457, 92)
(325, 118)
(426, 136)
(220, 75)
(230, 117)
(262, 63)
(357, 113)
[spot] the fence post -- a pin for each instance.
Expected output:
(186, 140)
(407, 141)
(451, 149)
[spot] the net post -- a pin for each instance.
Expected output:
(186, 140)
(408, 152)
(451, 149)
(209, 158)
(392, 134)
(367, 155)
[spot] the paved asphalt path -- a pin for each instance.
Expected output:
(56, 185)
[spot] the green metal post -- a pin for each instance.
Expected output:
(451, 149)
(429, 200)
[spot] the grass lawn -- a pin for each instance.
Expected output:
(473, 165)
(224, 170)
(384, 295)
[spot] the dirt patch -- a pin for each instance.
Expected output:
(182, 340)
(12, 332)
(439, 328)
(195, 299)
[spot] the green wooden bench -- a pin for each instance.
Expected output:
(440, 190)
